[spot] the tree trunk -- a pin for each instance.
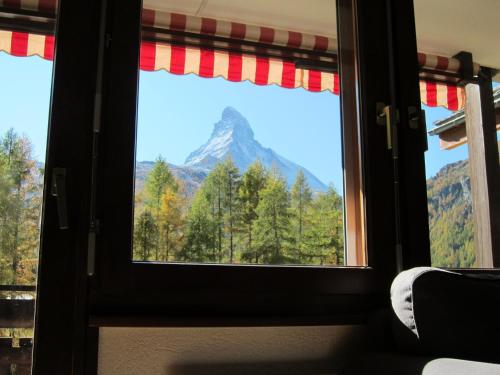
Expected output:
(276, 236)
(15, 244)
(167, 243)
(219, 223)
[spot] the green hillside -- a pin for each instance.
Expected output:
(450, 216)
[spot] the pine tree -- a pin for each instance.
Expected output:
(273, 222)
(213, 192)
(157, 182)
(301, 198)
(201, 232)
(20, 198)
(252, 183)
(323, 238)
(231, 182)
(217, 204)
(171, 222)
(145, 236)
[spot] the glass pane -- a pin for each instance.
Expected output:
(231, 168)
(25, 96)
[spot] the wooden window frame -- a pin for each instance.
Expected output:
(63, 341)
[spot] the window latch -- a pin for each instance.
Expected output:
(417, 121)
(58, 190)
(385, 114)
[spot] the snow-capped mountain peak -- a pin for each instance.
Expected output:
(233, 136)
(233, 121)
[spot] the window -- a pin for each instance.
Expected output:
(148, 113)
(242, 172)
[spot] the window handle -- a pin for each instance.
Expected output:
(58, 190)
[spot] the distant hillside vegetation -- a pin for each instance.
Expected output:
(450, 216)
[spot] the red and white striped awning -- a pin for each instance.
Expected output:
(178, 55)
(27, 44)
(240, 52)
(236, 67)
(432, 64)
(237, 31)
(231, 66)
(449, 96)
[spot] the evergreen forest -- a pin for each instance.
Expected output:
(233, 217)
(21, 180)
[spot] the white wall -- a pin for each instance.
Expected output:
(211, 351)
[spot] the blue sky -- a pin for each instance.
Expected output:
(177, 113)
(25, 97)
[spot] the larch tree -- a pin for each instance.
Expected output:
(213, 192)
(157, 182)
(252, 183)
(171, 222)
(20, 190)
(324, 236)
(231, 182)
(145, 236)
(301, 198)
(201, 231)
(272, 225)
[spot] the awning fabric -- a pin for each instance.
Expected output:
(234, 67)
(440, 64)
(239, 53)
(449, 96)
(436, 89)
(27, 44)
(246, 64)
(238, 31)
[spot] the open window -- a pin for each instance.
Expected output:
(225, 167)
(238, 150)
(171, 69)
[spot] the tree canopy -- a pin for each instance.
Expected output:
(234, 217)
